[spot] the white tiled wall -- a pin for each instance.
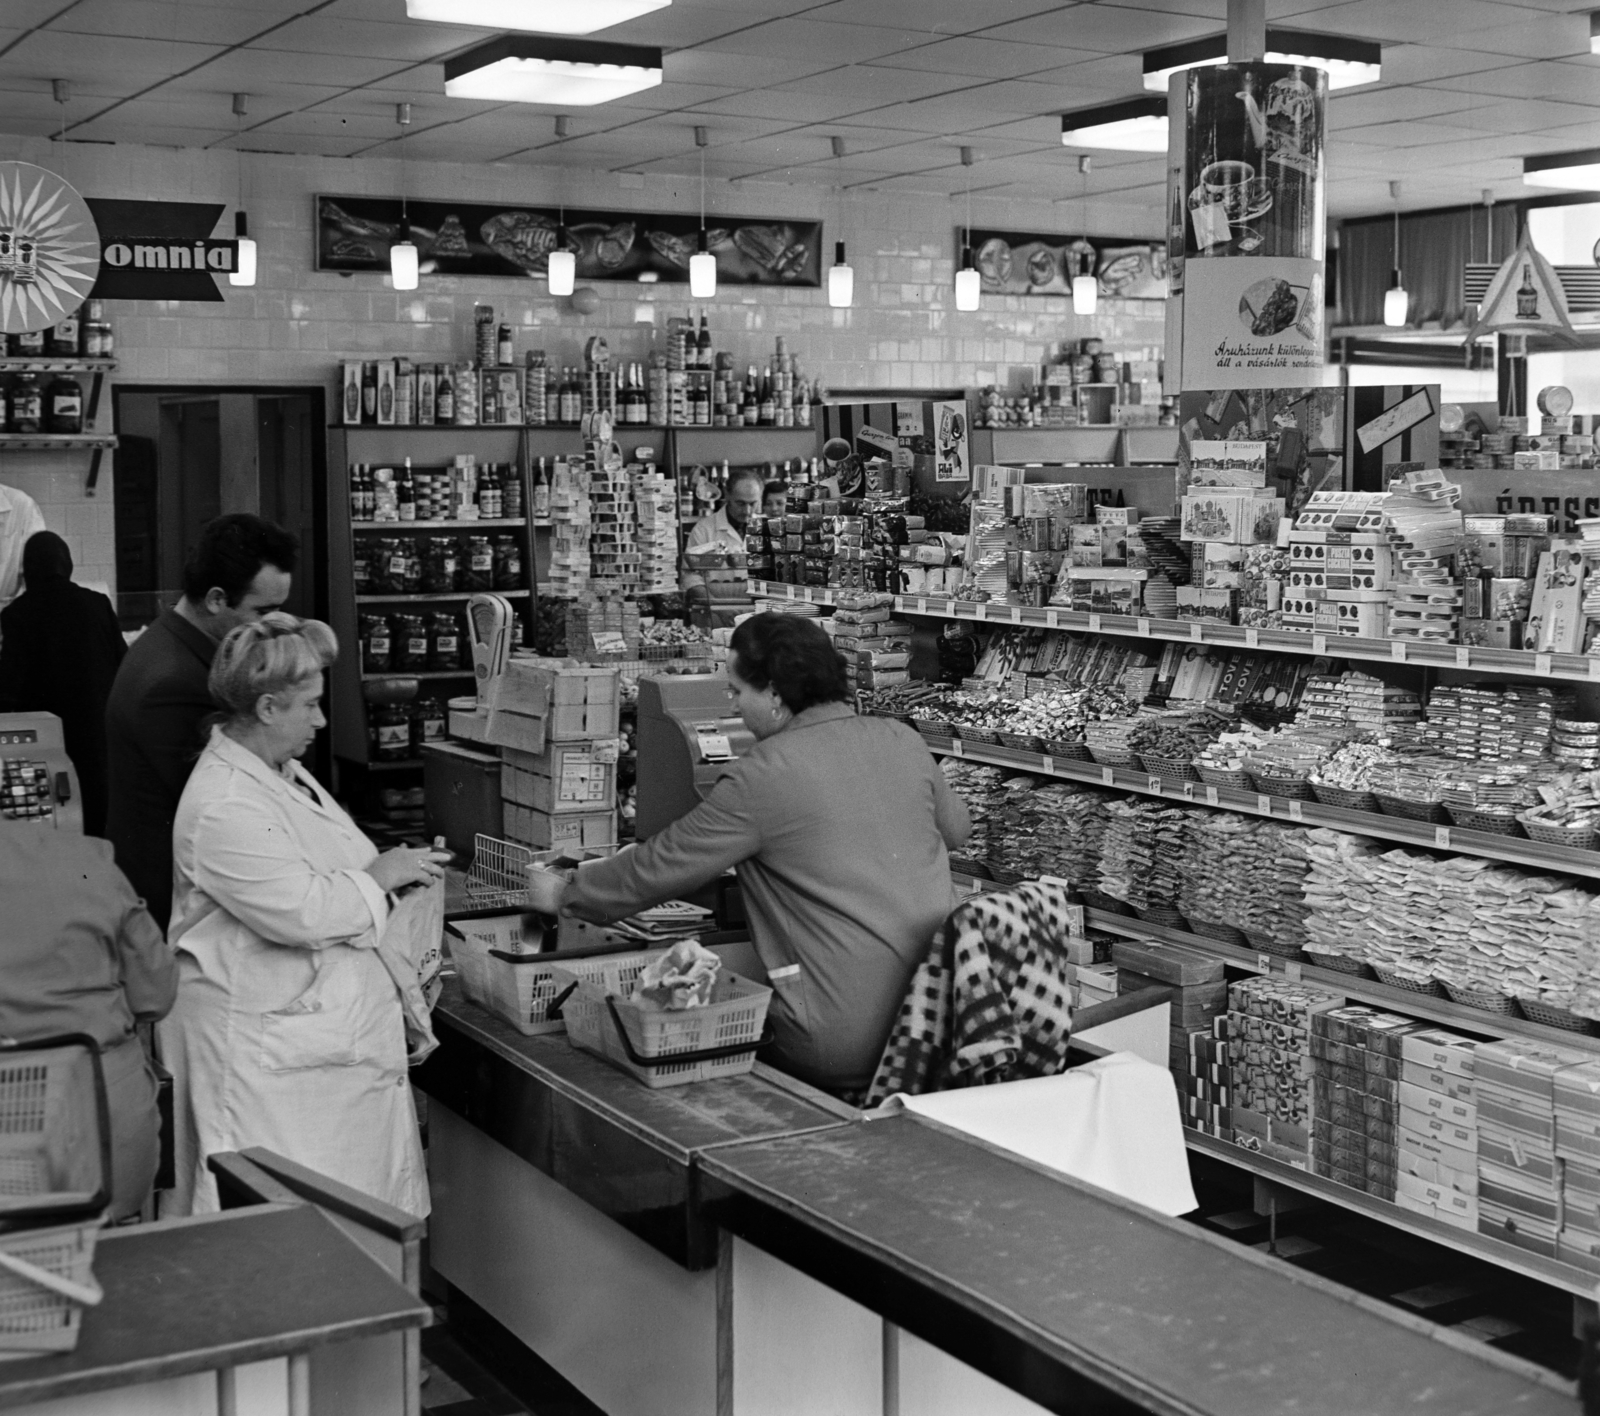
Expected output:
(296, 324)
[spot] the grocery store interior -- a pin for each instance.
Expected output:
(799, 706)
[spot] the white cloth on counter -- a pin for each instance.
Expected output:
(1113, 1123)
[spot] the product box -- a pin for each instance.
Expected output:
(549, 831)
(1233, 517)
(575, 702)
(386, 393)
(1519, 1065)
(1440, 1051)
(566, 777)
(1227, 464)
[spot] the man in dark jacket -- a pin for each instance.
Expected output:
(59, 651)
(155, 723)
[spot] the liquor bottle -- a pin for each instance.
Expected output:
(358, 496)
(1527, 296)
(706, 361)
(427, 394)
(767, 410)
(541, 493)
(506, 347)
(369, 392)
(571, 397)
(802, 404)
(444, 396)
(511, 495)
(405, 493)
(750, 409)
(487, 487)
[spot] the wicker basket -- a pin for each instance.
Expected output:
(1552, 1017)
(1225, 777)
(1067, 751)
(1340, 963)
(1429, 987)
(1109, 904)
(933, 727)
(1163, 915)
(1297, 788)
(1115, 756)
(1179, 768)
(965, 865)
(1411, 810)
(1222, 933)
(1481, 999)
(967, 733)
(1345, 800)
(1021, 742)
(1004, 875)
(1578, 837)
(1266, 944)
(1497, 822)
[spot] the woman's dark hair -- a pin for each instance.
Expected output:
(45, 557)
(230, 553)
(777, 487)
(793, 657)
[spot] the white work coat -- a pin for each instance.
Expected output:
(288, 1031)
(20, 518)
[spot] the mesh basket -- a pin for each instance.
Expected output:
(1161, 914)
(967, 733)
(1552, 1017)
(1109, 904)
(1268, 944)
(934, 727)
(1004, 875)
(1224, 777)
(498, 878)
(55, 1133)
(1411, 810)
(1481, 999)
(1298, 788)
(662, 1048)
(35, 1317)
(503, 972)
(1179, 768)
(1581, 837)
(1500, 823)
(1067, 751)
(1428, 986)
(1020, 742)
(965, 865)
(1339, 963)
(1114, 756)
(1222, 933)
(1343, 798)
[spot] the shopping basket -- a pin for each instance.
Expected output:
(55, 1132)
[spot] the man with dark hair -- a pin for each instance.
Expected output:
(722, 531)
(238, 571)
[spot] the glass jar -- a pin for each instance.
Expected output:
(391, 732)
(62, 340)
(26, 346)
(27, 405)
(63, 405)
(427, 723)
(410, 643)
(479, 571)
(386, 562)
(441, 565)
(507, 563)
(411, 579)
(444, 641)
(377, 644)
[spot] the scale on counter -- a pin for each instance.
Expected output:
(38, 786)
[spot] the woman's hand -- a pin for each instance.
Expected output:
(408, 865)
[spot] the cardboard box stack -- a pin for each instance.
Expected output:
(569, 531)
(1519, 1182)
(1438, 1127)
(1577, 1105)
(556, 723)
(1356, 1090)
(1194, 985)
(1269, 1033)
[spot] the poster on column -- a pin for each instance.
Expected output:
(1252, 323)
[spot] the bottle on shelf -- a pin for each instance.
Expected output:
(484, 342)
(369, 392)
(405, 494)
(26, 405)
(750, 406)
(489, 492)
(571, 397)
(505, 347)
(28, 345)
(427, 394)
(511, 494)
(445, 396)
(541, 493)
(62, 340)
(704, 359)
(767, 409)
(98, 341)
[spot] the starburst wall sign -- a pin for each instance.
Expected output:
(49, 248)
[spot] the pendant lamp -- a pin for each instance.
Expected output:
(403, 253)
(244, 265)
(969, 284)
(841, 279)
(1086, 287)
(1396, 303)
(702, 264)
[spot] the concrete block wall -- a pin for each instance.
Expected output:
(296, 324)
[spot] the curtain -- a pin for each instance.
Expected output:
(1435, 247)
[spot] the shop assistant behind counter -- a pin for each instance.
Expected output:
(838, 827)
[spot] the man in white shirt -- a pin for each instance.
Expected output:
(19, 518)
(723, 530)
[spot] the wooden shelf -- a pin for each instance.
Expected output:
(1513, 850)
(418, 599)
(617, 429)
(24, 364)
(55, 442)
(385, 528)
(418, 674)
(1575, 668)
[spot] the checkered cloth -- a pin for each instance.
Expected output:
(991, 1002)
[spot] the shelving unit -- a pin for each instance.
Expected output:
(97, 443)
(441, 597)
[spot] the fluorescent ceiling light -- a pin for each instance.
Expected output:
(525, 68)
(1571, 171)
(544, 16)
(1348, 61)
(1136, 125)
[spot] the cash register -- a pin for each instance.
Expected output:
(38, 786)
(687, 732)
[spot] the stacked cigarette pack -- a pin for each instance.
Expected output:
(1438, 1127)
(1356, 1096)
(1577, 1107)
(1269, 1034)
(655, 519)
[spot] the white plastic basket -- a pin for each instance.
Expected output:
(661, 1048)
(42, 1303)
(518, 992)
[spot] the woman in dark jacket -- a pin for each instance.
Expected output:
(59, 650)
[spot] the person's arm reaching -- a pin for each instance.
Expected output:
(693, 851)
(950, 813)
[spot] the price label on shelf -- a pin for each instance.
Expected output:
(1052, 619)
(1016, 614)
(1319, 643)
(980, 611)
(1049, 765)
(1463, 657)
(1264, 803)
(1264, 962)
(1295, 814)
(1252, 638)
(1441, 837)
(1291, 970)
(1094, 624)
(1211, 795)
(1196, 632)
(788, 592)
(1543, 664)
(1594, 668)
(1154, 783)
(1107, 776)
(1397, 650)
(1188, 791)
(1142, 626)
(922, 606)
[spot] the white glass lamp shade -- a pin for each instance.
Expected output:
(969, 283)
(403, 264)
(1085, 294)
(702, 272)
(543, 16)
(1396, 303)
(244, 266)
(841, 280)
(563, 272)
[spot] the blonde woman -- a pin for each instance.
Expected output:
(288, 1031)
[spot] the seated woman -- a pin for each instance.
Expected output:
(288, 1031)
(838, 828)
(80, 954)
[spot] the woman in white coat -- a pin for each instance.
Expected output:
(288, 1031)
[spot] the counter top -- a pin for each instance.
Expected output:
(195, 1295)
(1082, 1301)
(615, 1143)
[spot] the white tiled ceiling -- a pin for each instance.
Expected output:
(1469, 87)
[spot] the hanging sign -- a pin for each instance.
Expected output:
(161, 250)
(1252, 323)
(49, 248)
(1525, 297)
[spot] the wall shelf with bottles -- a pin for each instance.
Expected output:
(442, 597)
(27, 364)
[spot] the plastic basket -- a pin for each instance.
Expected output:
(1267, 944)
(967, 733)
(661, 1048)
(1498, 822)
(1296, 788)
(1114, 756)
(1004, 875)
(1481, 999)
(1343, 798)
(1339, 963)
(1552, 1017)
(1163, 915)
(1580, 837)
(933, 727)
(502, 974)
(1179, 768)
(1411, 810)
(965, 865)
(1430, 987)
(35, 1317)
(1225, 777)
(1222, 933)
(1109, 904)
(1067, 751)
(1020, 742)
(55, 1133)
